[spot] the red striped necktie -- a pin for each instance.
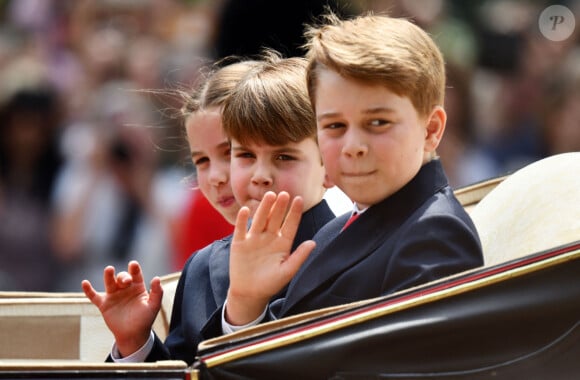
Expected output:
(350, 220)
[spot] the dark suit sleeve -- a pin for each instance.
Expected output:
(213, 326)
(433, 247)
(158, 352)
(176, 346)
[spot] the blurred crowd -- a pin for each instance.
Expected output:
(92, 152)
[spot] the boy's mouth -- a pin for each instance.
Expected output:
(357, 174)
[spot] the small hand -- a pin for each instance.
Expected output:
(128, 309)
(260, 260)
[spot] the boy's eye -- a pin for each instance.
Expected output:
(244, 155)
(379, 122)
(284, 157)
(334, 126)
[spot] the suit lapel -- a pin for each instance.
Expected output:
(312, 221)
(335, 252)
(324, 237)
(219, 270)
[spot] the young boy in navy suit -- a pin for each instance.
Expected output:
(377, 86)
(272, 139)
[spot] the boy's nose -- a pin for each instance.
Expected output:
(262, 177)
(354, 146)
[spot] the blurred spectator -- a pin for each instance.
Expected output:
(464, 161)
(515, 62)
(560, 115)
(114, 203)
(29, 164)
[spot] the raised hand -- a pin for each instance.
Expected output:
(128, 309)
(260, 260)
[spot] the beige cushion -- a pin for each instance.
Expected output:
(469, 196)
(56, 369)
(64, 326)
(161, 324)
(52, 328)
(534, 209)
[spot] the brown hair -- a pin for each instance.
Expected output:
(271, 104)
(215, 86)
(379, 49)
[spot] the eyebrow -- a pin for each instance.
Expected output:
(225, 144)
(368, 111)
(379, 110)
(275, 149)
(286, 149)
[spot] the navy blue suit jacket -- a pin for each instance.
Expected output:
(203, 286)
(419, 234)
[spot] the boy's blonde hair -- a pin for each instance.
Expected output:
(378, 49)
(270, 104)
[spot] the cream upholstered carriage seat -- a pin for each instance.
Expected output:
(63, 326)
(469, 196)
(534, 209)
(169, 284)
(45, 326)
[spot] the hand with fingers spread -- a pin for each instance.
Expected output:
(127, 307)
(260, 260)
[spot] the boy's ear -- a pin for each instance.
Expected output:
(327, 182)
(434, 128)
